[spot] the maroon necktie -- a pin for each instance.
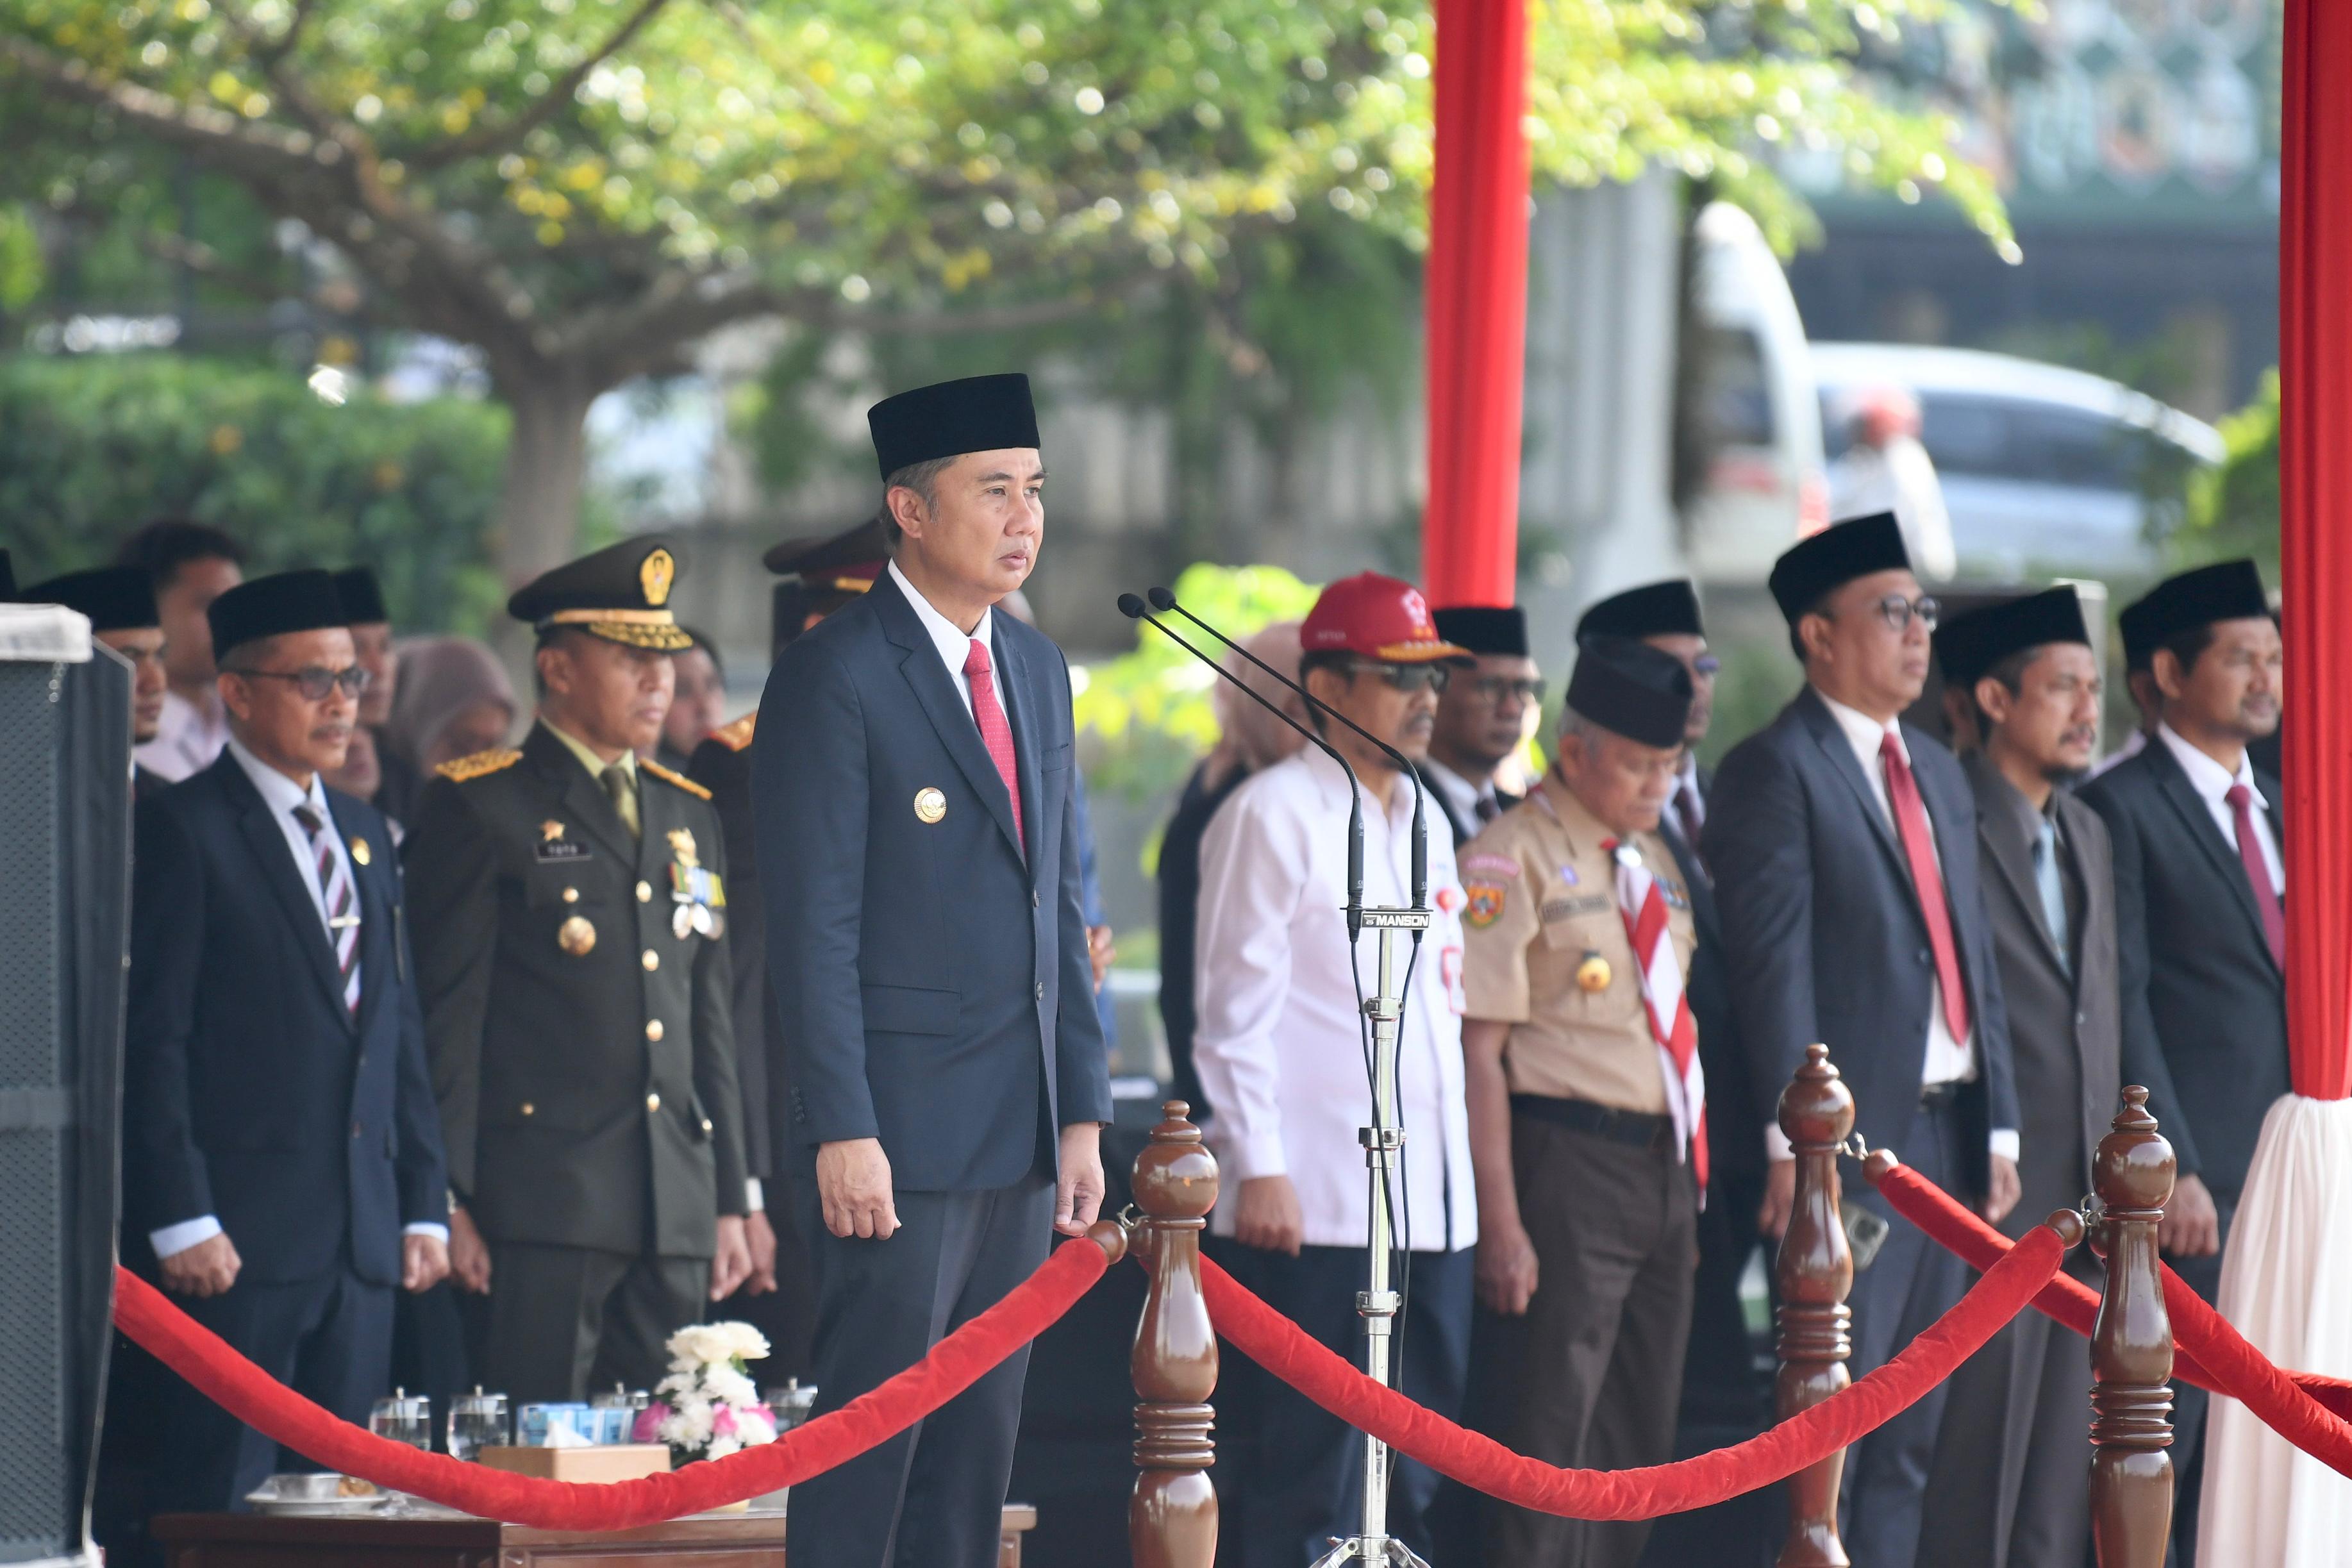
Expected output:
(1927, 879)
(2258, 873)
(1688, 816)
(995, 732)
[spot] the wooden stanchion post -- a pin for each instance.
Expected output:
(2131, 1346)
(1172, 1520)
(1814, 1271)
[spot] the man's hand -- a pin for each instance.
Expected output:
(852, 1183)
(1079, 1195)
(1266, 1215)
(470, 1258)
(2006, 1191)
(424, 1262)
(2192, 1226)
(1507, 1269)
(1779, 1198)
(207, 1269)
(760, 1236)
(731, 1264)
(1100, 952)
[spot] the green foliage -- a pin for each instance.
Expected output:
(1147, 711)
(90, 448)
(2234, 510)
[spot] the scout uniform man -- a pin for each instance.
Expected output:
(823, 575)
(570, 903)
(1587, 1101)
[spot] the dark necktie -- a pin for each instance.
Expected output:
(1686, 815)
(1928, 881)
(341, 899)
(2258, 873)
(1488, 808)
(995, 732)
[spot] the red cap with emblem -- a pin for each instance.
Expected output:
(1378, 617)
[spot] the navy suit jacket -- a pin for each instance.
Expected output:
(2204, 1002)
(933, 985)
(1823, 932)
(249, 1091)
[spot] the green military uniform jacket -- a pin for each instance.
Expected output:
(579, 1047)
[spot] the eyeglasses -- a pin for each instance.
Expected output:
(1406, 678)
(313, 682)
(1706, 664)
(1898, 612)
(1492, 689)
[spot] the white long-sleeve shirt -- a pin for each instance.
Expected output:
(1279, 1044)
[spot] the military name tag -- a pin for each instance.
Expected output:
(560, 850)
(931, 804)
(1569, 908)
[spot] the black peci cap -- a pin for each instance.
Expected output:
(2226, 590)
(1483, 629)
(361, 594)
(1655, 609)
(620, 594)
(272, 606)
(1967, 645)
(115, 598)
(1834, 557)
(978, 414)
(1632, 688)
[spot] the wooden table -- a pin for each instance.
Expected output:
(753, 1540)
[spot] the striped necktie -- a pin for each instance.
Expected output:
(342, 903)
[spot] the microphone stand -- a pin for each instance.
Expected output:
(1380, 1302)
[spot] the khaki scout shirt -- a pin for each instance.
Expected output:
(1542, 902)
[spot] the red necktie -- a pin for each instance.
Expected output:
(995, 732)
(2258, 873)
(1928, 881)
(1644, 907)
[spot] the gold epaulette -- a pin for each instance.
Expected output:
(659, 771)
(464, 768)
(738, 735)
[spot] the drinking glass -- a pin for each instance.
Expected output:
(479, 1421)
(791, 1404)
(404, 1417)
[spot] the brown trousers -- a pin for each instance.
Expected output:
(1592, 1373)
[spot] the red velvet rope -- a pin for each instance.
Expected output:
(2308, 1410)
(268, 1406)
(1279, 1346)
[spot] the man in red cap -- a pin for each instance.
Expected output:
(1280, 1050)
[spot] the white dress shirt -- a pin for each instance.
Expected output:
(1460, 793)
(2134, 745)
(1280, 1046)
(954, 643)
(1948, 1060)
(187, 741)
(282, 795)
(2213, 782)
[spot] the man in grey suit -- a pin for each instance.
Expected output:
(2008, 1486)
(912, 789)
(1844, 847)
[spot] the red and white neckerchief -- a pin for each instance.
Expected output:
(1643, 904)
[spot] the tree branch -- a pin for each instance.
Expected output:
(199, 258)
(487, 139)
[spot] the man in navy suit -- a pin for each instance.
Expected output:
(1844, 846)
(947, 1081)
(282, 1164)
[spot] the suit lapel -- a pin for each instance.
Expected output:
(1842, 762)
(283, 877)
(919, 662)
(2197, 820)
(2002, 817)
(1014, 689)
(582, 799)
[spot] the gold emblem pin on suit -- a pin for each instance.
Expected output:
(681, 844)
(361, 852)
(931, 804)
(576, 936)
(550, 831)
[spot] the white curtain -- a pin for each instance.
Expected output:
(2287, 1285)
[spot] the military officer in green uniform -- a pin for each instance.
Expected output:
(569, 907)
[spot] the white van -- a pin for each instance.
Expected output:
(1764, 485)
(2043, 468)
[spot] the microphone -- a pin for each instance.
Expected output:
(1133, 609)
(1162, 599)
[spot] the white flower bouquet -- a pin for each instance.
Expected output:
(707, 1408)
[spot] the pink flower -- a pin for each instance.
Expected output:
(722, 1421)
(648, 1426)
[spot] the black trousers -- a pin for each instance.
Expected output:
(1910, 1284)
(562, 1323)
(327, 1338)
(933, 1497)
(1289, 1477)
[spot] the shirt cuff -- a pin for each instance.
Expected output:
(174, 1240)
(2005, 1144)
(439, 1233)
(1776, 1142)
(755, 1197)
(1258, 1154)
